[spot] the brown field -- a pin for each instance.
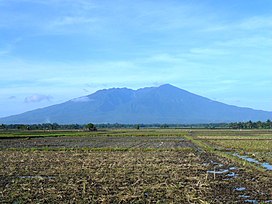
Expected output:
(130, 166)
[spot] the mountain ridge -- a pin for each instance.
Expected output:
(163, 104)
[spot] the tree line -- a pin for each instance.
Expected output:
(44, 126)
(251, 125)
(91, 127)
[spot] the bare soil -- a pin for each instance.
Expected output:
(97, 142)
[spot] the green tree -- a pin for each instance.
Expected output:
(2, 126)
(268, 124)
(22, 127)
(249, 124)
(91, 127)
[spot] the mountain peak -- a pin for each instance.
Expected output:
(163, 104)
(167, 86)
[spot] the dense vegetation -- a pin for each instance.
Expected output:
(251, 125)
(55, 126)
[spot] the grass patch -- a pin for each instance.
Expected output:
(259, 149)
(245, 145)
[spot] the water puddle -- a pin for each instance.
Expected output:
(251, 201)
(35, 177)
(233, 168)
(265, 165)
(232, 175)
(248, 200)
(240, 189)
(227, 171)
(215, 163)
(244, 196)
(220, 171)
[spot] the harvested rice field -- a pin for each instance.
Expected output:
(131, 166)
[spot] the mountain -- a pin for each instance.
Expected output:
(163, 104)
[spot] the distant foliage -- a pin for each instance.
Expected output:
(252, 125)
(45, 126)
(92, 127)
(2, 126)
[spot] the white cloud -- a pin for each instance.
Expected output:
(245, 42)
(256, 22)
(209, 51)
(81, 99)
(164, 57)
(37, 98)
(72, 20)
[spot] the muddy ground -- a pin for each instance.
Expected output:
(161, 169)
(97, 142)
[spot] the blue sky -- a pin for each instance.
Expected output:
(55, 50)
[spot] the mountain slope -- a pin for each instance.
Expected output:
(164, 104)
